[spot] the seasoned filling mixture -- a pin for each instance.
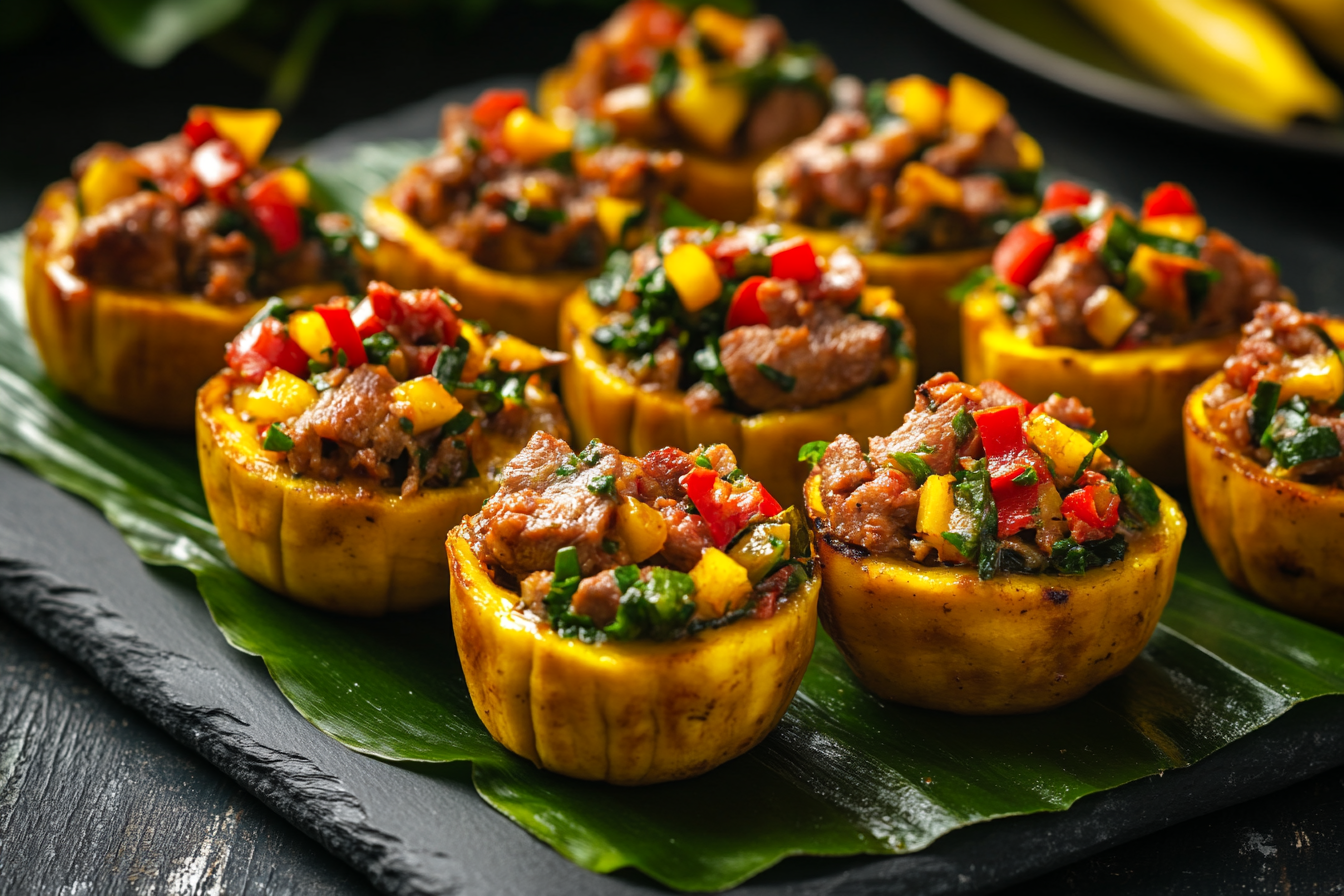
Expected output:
(1085, 273)
(518, 193)
(197, 213)
(907, 166)
(739, 318)
(602, 545)
(729, 85)
(977, 476)
(394, 388)
(1280, 397)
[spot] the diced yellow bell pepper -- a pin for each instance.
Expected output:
(1107, 316)
(642, 529)
(1178, 227)
(1314, 377)
(709, 112)
(691, 272)
(293, 182)
(532, 138)
(1030, 156)
(475, 355)
(973, 107)
(1063, 448)
(934, 517)
(630, 107)
(921, 185)
(538, 192)
(1163, 277)
(919, 101)
(721, 585)
(516, 355)
(725, 31)
(250, 130)
(309, 330)
(279, 396)
(613, 213)
(108, 179)
(428, 404)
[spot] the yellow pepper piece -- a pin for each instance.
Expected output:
(921, 184)
(708, 111)
(428, 404)
(1178, 227)
(532, 138)
(721, 585)
(691, 272)
(919, 101)
(476, 355)
(309, 330)
(613, 213)
(1163, 277)
(642, 529)
(724, 30)
(279, 396)
(1063, 447)
(934, 517)
(631, 107)
(1030, 156)
(108, 179)
(293, 182)
(1314, 377)
(516, 355)
(1107, 315)
(538, 192)
(250, 130)
(973, 107)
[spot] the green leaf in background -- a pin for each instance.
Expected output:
(150, 32)
(843, 774)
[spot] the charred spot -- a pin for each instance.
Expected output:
(1057, 596)
(844, 548)
(1291, 568)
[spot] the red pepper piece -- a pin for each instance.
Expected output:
(1021, 253)
(768, 506)
(1065, 194)
(383, 297)
(344, 336)
(199, 129)
(661, 23)
(1006, 449)
(726, 509)
(725, 251)
(745, 309)
(366, 321)
(493, 105)
(1092, 512)
(1169, 199)
(218, 165)
(794, 260)
(275, 213)
(262, 346)
(1092, 239)
(422, 315)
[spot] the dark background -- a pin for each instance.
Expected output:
(94, 799)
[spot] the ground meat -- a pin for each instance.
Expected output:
(1055, 309)
(230, 263)
(353, 427)
(1069, 411)
(1275, 333)
(598, 598)
(1245, 281)
(132, 243)
(630, 172)
(926, 431)
(781, 115)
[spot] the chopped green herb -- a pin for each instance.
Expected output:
(459, 424)
(678, 214)
(316, 367)
(1091, 453)
(406, 425)
(1263, 406)
(591, 453)
(379, 347)
(1027, 477)
(1137, 493)
(970, 283)
(1294, 440)
(812, 452)
(736, 475)
(664, 76)
(778, 377)
(658, 609)
(913, 464)
(277, 440)
(962, 425)
(1071, 558)
(606, 287)
(590, 134)
(341, 359)
(561, 593)
(702, 461)
(610, 546)
(450, 363)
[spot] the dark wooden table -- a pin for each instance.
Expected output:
(95, 799)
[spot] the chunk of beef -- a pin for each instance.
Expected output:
(1055, 309)
(688, 536)
(230, 262)
(354, 427)
(663, 470)
(131, 243)
(1245, 281)
(1069, 411)
(1275, 332)
(925, 432)
(878, 515)
(780, 116)
(598, 598)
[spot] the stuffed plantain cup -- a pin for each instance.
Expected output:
(513, 213)
(1262, 444)
(725, 91)
(920, 179)
(142, 267)
(343, 441)
(735, 336)
(631, 619)
(988, 557)
(1129, 315)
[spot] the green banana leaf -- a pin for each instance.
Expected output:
(843, 774)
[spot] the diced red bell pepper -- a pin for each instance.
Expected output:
(422, 315)
(262, 346)
(1022, 252)
(1065, 194)
(660, 23)
(1169, 199)
(724, 508)
(344, 336)
(383, 297)
(1007, 396)
(218, 165)
(1092, 238)
(745, 309)
(1092, 511)
(726, 250)
(366, 321)
(275, 214)
(794, 260)
(199, 129)
(1006, 450)
(494, 104)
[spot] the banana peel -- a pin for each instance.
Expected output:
(1276, 538)
(1136, 395)
(409, 257)
(135, 356)
(940, 638)
(604, 406)
(627, 713)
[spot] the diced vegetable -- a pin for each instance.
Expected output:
(250, 130)
(1314, 377)
(707, 110)
(1169, 198)
(745, 309)
(279, 396)
(217, 165)
(721, 585)
(692, 274)
(725, 31)
(107, 179)
(428, 404)
(794, 259)
(923, 185)
(1030, 156)
(934, 517)
(1157, 281)
(309, 330)
(641, 528)
(494, 104)
(920, 102)
(1107, 316)
(262, 345)
(1022, 252)
(1064, 449)
(631, 107)
(366, 320)
(1186, 228)
(532, 138)
(273, 201)
(763, 548)
(973, 106)
(613, 214)
(725, 508)
(347, 349)
(514, 355)
(1092, 511)
(1016, 496)
(1064, 194)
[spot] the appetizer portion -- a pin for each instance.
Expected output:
(341, 442)
(514, 212)
(631, 619)
(988, 556)
(734, 335)
(920, 178)
(1128, 313)
(724, 89)
(140, 268)
(1262, 443)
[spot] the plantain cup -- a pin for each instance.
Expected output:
(1137, 394)
(624, 712)
(604, 406)
(409, 257)
(940, 638)
(138, 357)
(1274, 537)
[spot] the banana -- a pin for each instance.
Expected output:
(1234, 54)
(1320, 21)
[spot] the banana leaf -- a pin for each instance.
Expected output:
(843, 774)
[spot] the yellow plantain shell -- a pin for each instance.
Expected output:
(1136, 395)
(410, 257)
(1274, 537)
(940, 638)
(135, 356)
(626, 713)
(604, 406)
